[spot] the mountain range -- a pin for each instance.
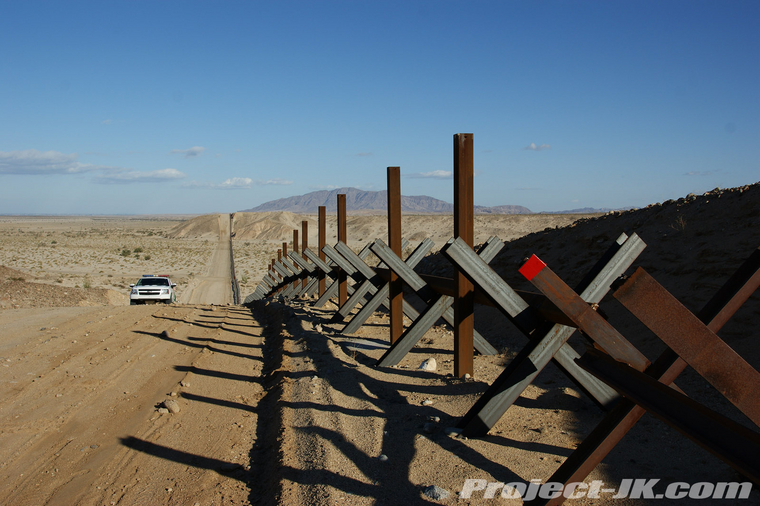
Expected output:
(369, 201)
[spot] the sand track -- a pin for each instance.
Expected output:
(215, 286)
(79, 405)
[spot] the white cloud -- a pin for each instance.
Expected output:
(233, 183)
(107, 121)
(127, 176)
(274, 182)
(532, 147)
(236, 183)
(436, 174)
(189, 153)
(32, 161)
(699, 173)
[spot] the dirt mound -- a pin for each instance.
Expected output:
(278, 225)
(6, 273)
(16, 292)
(198, 227)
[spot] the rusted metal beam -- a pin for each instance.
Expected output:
(583, 314)
(321, 243)
(464, 218)
(295, 250)
(611, 430)
(342, 276)
(704, 351)
(279, 256)
(730, 441)
(304, 245)
(395, 285)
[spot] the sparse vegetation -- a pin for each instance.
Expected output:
(679, 224)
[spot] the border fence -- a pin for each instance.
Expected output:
(612, 371)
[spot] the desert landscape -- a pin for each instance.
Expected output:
(205, 402)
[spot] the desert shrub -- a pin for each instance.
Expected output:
(125, 252)
(138, 250)
(146, 257)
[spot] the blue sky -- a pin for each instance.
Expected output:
(137, 107)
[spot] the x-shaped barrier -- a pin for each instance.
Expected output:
(547, 337)
(381, 296)
(691, 341)
(438, 305)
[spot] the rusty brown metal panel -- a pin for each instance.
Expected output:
(682, 331)
(321, 243)
(395, 284)
(464, 216)
(584, 316)
(342, 276)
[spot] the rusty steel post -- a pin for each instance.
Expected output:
(321, 243)
(304, 245)
(395, 285)
(279, 257)
(342, 276)
(295, 250)
(464, 296)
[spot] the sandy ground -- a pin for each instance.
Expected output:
(275, 405)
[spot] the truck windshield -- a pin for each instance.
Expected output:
(153, 282)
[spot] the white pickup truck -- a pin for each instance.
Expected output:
(152, 289)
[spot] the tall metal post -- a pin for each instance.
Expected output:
(342, 276)
(321, 243)
(304, 244)
(464, 214)
(395, 285)
(295, 250)
(279, 257)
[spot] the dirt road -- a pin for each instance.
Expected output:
(82, 393)
(214, 287)
(81, 388)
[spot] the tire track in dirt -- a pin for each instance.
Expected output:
(215, 286)
(55, 449)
